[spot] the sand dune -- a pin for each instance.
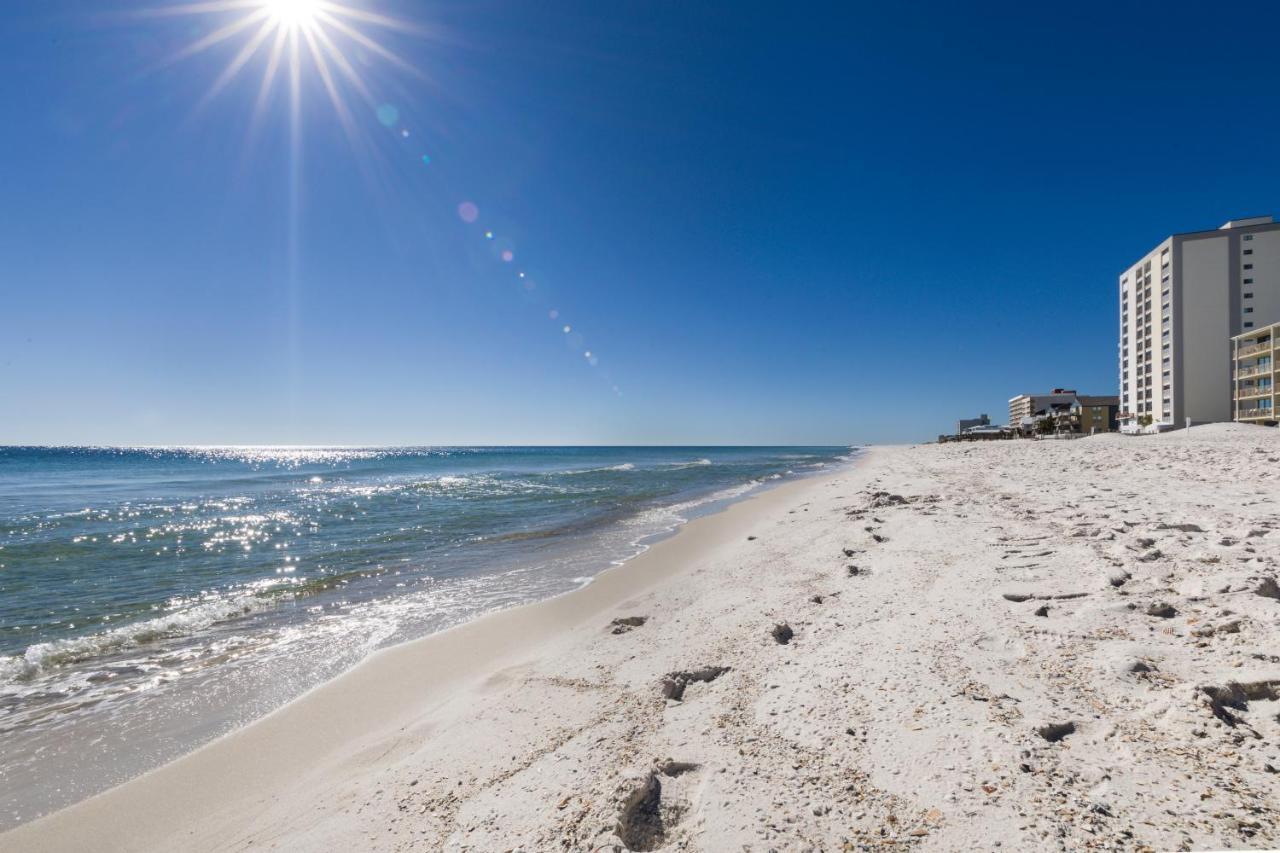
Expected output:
(1052, 645)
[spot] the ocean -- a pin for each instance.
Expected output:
(152, 599)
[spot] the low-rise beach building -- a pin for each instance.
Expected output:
(1026, 406)
(1181, 305)
(1092, 413)
(1253, 372)
(1064, 411)
(968, 423)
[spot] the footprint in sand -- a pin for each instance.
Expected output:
(674, 684)
(625, 623)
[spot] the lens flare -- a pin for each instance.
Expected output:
(326, 45)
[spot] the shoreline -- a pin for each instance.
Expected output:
(1025, 645)
(116, 729)
(472, 644)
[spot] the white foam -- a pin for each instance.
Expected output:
(190, 620)
(625, 466)
(697, 463)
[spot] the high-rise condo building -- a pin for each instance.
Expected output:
(1180, 305)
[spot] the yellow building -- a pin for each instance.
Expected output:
(1253, 375)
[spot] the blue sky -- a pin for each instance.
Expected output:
(768, 223)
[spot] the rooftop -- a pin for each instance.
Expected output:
(1271, 329)
(1056, 392)
(1243, 223)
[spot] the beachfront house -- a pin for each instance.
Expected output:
(1091, 413)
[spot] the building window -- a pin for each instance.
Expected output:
(1248, 296)
(1248, 310)
(1248, 281)
(1248, 251)
(1248, 266)
(1248, 236)
(1248, 325)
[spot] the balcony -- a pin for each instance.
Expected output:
(1245, 372)
(1256, 413)
(1265, 346)
(1254, 391)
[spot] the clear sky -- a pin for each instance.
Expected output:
(767, 222)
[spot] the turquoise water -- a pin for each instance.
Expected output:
(153, 598)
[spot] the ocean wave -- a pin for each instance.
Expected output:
(625, 466)
(697, 463)
(670, 516)
(181, 623)
(461, 485)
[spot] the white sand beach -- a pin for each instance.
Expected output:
(1024, 645)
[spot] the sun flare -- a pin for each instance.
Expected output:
(299, 40)
(292, 14)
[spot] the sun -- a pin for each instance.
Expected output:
(292, 14)
(293, 39)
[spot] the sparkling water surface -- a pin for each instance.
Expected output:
(153, 598)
